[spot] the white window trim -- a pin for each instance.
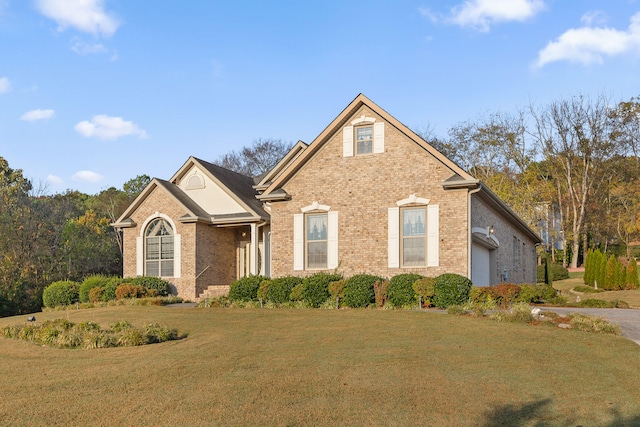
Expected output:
(433, 232)
(177, 246)
(299, 241)
(348, 140)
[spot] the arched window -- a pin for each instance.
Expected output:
(159, 244)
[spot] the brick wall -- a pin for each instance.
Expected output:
(361, 189)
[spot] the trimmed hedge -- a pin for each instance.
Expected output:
(451, 289)
(95, 281)
(536, 293)
(246, 288)
(315, 291)
(148, 282)
(358, 290)
(63, 292)
(279, 289)
(400, 291)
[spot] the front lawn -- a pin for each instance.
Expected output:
(322, 367)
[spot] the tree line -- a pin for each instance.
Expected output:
(45, 238)
(569, 167)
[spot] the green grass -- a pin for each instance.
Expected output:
(286, 367)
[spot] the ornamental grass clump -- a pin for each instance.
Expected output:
(596, 325)
(61, 333)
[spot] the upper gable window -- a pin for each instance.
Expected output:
(365, 135)
(364, 140)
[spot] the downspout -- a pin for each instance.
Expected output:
(470, 237)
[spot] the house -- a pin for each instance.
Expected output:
(367, 195)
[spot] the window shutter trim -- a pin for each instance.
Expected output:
(394, 237)
(298, 241)
(139, 256)
(433, 236)
(378, 137)
(177, 256)
(347, 141)
(332, 239)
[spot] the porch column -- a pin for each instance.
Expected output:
(253, 257)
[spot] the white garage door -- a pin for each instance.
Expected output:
(480, 265)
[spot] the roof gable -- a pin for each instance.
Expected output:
(337, 124)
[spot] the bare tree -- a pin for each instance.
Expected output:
(577, 137)
(257, 159)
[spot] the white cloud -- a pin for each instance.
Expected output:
(108, 127)
(4, 85)
(588, 45)
(594, 17)
(87, 176)
(55, 180)
(33, 115)
(82, 48)
(87, 16)
(481, 14)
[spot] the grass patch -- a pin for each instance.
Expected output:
(323, 367)
(631, 298)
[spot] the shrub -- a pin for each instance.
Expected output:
(520, 312)
(297, 293)
(246, 288)
(336, 289)
(95, 294)
(381, 292)
(316, 287)
(262, 289)
(97, 280)
(109, 291)
(505, 294)
(596, 303)
(127, 290)
(64, 292)
(451, 289)
(155, 283)
(536, 293)
(582, 322)
(631, 276)
(358, 290)
(280, 288)
(587, 289)
(424, 288)
(400, 291)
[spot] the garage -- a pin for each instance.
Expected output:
(480, 265)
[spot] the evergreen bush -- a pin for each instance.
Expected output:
(280, 288)
(245, 289)
(63, 292)
(631, 279)
(148, 282)
(97, 280)
(535, 293)
(451, 289)
(400, 291)
(358, 290)
(316, 287)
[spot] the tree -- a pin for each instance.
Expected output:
(134, 186)
(257, 159)
(577, 137)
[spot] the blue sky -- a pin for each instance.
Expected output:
(96, 92)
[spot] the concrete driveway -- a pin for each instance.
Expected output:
(628, 319)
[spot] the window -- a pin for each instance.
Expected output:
(159, 252)
(414, 237)
(316, 241)
(365, 135)
(364, 140)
